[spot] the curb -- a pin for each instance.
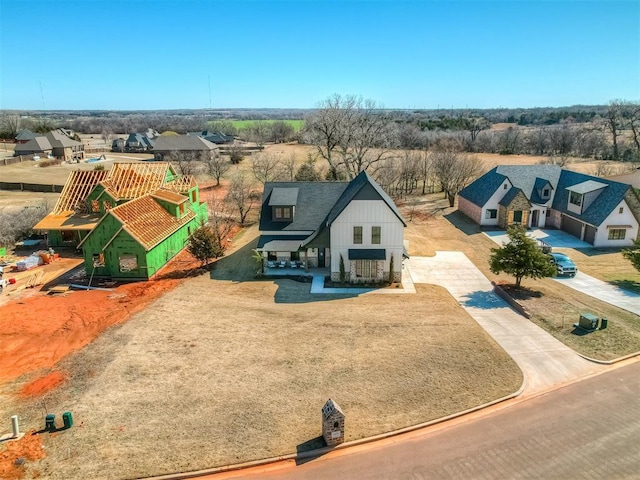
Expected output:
(609, 362)
(321, 451)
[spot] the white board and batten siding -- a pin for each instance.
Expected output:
(366, 214)
(616, 218)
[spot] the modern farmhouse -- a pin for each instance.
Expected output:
(326, 224)
(602, 212)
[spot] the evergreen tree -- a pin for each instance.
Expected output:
(521, 257)
(204, 245)
(633, 254)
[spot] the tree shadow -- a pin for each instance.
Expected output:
(291, 291)
(629, 285)
(463, 223)
(312, 444)
(593, 251)
(521, 293)
(483, 299)
(238, 266)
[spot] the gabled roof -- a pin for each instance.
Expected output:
(76, 190)
(60, 140)
(147, 222)
(37, 144)
(606, 201)
(25, 134)
(509, 196)
(140, 138)
(480, 191)
(314, 202)
(362, 186)
(182, 143)
(527, 178)
(132, 180)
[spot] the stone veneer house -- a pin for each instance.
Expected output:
(602, 212)
(318, 223)
(55, 143)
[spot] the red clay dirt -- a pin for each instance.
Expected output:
(37, 332)
(28, 447)
(42, 385)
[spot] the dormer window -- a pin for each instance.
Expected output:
(545, 193)
(575, 198)
(282, 213)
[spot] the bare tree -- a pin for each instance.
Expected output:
(106, 135)
(350, 133)
(266, 167)
(216, 166)
(241, 195)
(632, 114)
(613, 123)
(289, 167)
(10, 126)
(281, 131)
(190, 163)
(454, 170)
(220, 218)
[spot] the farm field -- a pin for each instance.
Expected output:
(242, 373)
(241, 124)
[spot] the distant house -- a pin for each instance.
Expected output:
(169, 147)
(134, 143)
(316, 224)
(55, 143)
(218, 138)
(129, 221)
(24, 136)
(599, 211)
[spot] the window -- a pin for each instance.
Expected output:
(67, 235)
(548, 213)
(375, 235)
(504, 187)
(365, 268)
(107, 205)
(98, 260)
(282, 213)
(128, 262)
(357, 235)
(545, 193)
(295, 256)
(517, 216)
(181, 209)
(95, 206)
(491, 213)
(193, 196)
(621, 210)
(617, 233)
(575, 198)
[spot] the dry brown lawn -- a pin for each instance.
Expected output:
(226, 369)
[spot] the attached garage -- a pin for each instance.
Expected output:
(590, 234)
(572, 226)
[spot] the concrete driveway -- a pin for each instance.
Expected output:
(544, 361)
(555, 238)
(604, 291)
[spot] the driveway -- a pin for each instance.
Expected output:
(554, 238)
(544, 361)
(604, 291)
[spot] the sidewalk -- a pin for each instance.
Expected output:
(317, 286)
(544, 361)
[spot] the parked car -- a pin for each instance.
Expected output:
(564, 264)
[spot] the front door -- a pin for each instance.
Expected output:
(534, 218)
(321, 257)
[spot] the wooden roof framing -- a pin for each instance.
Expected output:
(77, 189)
(181, 184)
(169, 196)
(132, 180)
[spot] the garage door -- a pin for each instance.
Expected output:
(572, 226)
(590, 234)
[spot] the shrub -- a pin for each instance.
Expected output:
(49, 162)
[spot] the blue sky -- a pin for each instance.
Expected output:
(135, 54)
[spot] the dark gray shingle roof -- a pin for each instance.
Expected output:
(480, 191)
(284, 197)
(509, 196)
(314, 202)
(182, 143)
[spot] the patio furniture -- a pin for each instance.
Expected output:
(282, 264)
(294, 264)
(271, 264)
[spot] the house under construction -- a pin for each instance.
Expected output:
(129, 221)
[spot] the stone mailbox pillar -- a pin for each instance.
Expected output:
(332, 423)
